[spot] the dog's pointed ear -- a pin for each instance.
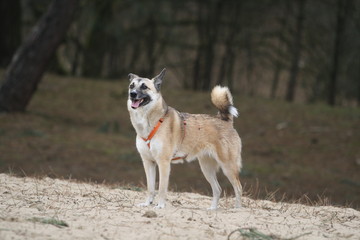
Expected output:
(158, 79)
(132, 76)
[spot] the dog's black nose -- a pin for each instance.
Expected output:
(133, 94)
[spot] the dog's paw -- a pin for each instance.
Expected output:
(212, 208)
(160, 206)
(144, 204)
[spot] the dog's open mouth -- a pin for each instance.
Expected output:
(136, 103)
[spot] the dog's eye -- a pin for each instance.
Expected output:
(132, 86)
(143, 86)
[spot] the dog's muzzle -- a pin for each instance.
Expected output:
(133, 95)
(138, 99)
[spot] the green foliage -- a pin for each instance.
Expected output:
(51, 221)
(32, 133)
(254, 234)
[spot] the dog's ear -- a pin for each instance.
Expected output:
(132, 76)
(158, 79)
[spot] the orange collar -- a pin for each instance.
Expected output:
(153, 132)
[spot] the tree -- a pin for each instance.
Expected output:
(342, 12)
(280, 47)
(226, 71)
(99, 39)
(10, 25)
(207, 30)
(296, 51)
(32, 57)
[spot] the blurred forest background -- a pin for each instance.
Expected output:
(271, 53)
(296, 50)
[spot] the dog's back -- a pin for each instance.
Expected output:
(213, 135)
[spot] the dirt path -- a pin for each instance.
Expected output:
(57, 209)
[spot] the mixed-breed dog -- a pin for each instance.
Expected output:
(166, 136)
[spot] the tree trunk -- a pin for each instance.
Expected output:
(290, 93)
(76, 59)
(358, 93)
(316, 88)
(230, 76)
(213, 34)
(207, 26)
(342, 7)
(196, 70)
(275, 81)
(228, 59)
(10, 25)
(280, 49)
(249, 65)
(30, 60)
(227, 66)
(222, 70)
(151, 45)
(136, 50)
(197, 76)
(209, 62)
(99, 40)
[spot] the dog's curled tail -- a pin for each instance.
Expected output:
(223, 101)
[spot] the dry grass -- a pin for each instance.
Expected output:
(52, 221)
(253, 234)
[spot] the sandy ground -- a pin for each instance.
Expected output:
(37, 208)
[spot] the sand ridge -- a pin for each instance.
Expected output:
(97, 211)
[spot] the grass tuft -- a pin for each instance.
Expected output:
(32, 133)
(253, 234)
(51, 221)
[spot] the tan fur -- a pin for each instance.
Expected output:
(221, 97)
(210, 139)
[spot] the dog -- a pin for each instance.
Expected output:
(165, 136)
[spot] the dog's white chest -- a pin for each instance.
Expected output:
(140, 124)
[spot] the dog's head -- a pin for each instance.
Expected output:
(144, 91)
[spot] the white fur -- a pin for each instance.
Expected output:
(233, 111)
(221, 102)
(220, 91)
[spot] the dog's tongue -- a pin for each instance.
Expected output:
(135, 103)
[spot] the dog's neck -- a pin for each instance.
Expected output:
(145, 119)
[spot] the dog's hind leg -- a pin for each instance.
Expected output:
(231, 171)
(209, 167)
(150, 171)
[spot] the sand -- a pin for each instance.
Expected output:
(61, 209)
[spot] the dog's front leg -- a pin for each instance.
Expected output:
(164, 173)
(150, 171)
